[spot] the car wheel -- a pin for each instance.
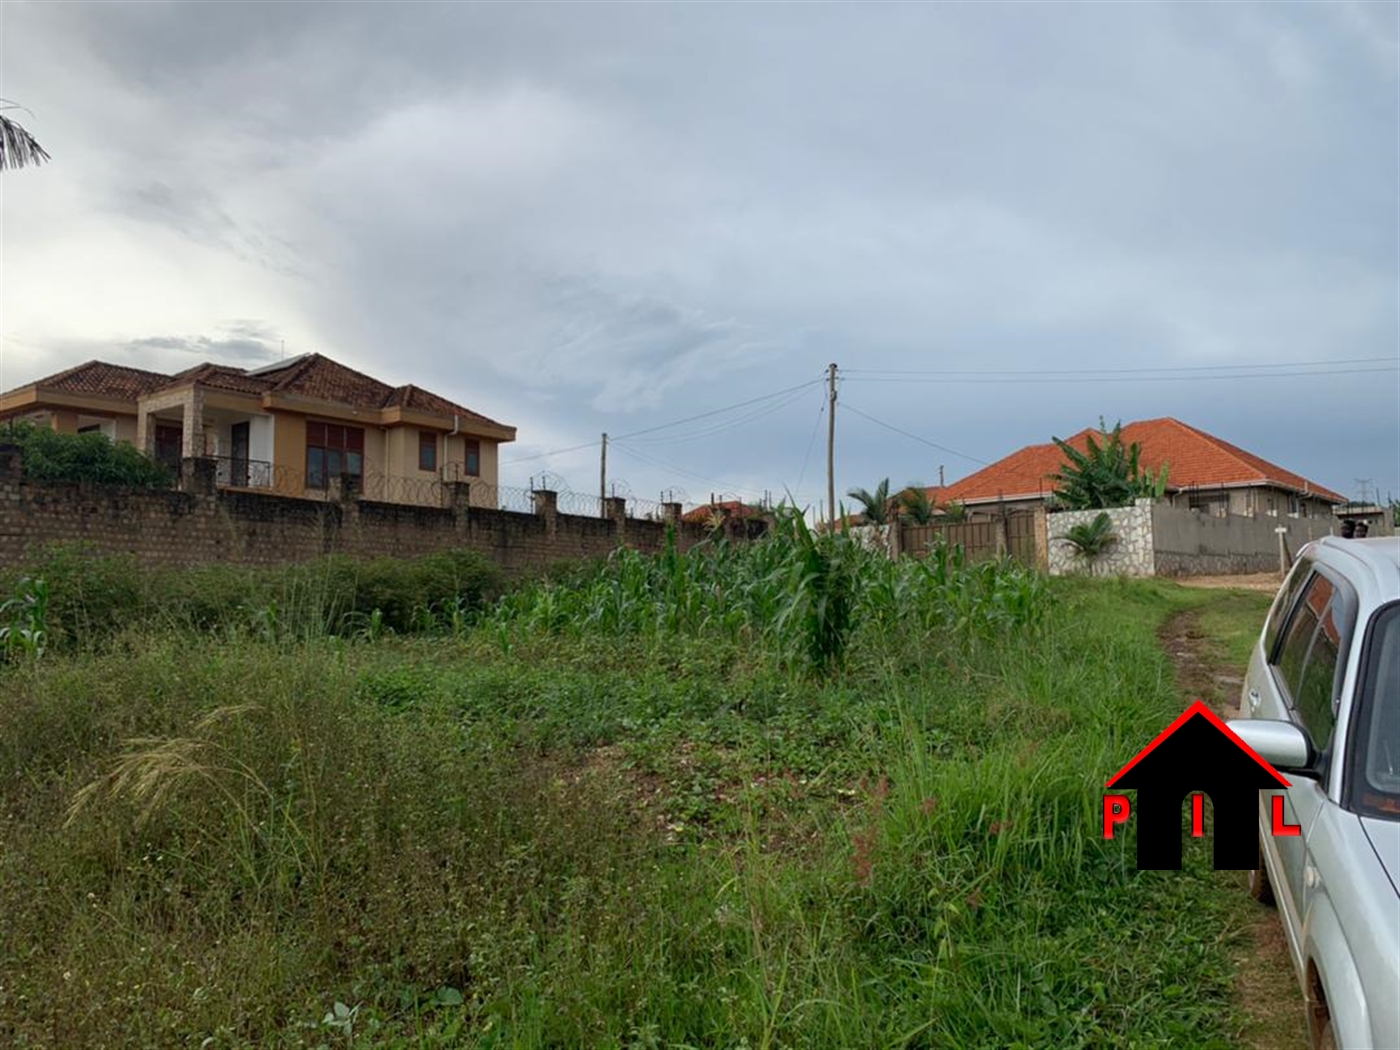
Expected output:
(1259, 887)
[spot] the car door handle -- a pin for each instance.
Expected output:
(1253, 699)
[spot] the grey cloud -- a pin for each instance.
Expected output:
(572, 215)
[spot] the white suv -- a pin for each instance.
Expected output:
(1322, 704)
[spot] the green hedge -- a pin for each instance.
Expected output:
(51, 456)
(93, 595)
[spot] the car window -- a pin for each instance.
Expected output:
(1376, 790)
(1317, 693)
(1279, 614)
(1310, 660)
(1292, 654)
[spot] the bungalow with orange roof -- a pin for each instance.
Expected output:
(1204, 473)
(291, 426)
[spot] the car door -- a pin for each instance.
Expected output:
(1303, 683)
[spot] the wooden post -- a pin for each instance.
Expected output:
(831, 443)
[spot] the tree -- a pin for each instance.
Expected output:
(18, 147)
(954, 511)
(1092, 538)
(876, 505)
(1106, 474)
(915, 505)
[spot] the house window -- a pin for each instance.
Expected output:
(91, 428)
(333, 450)
(473, 457)
(427, 450)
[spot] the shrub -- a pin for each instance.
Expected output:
(93, 596)
(1091, 538)
(50, 456)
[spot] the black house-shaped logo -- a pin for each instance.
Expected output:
(1197, 752)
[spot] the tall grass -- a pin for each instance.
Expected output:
(684, 804)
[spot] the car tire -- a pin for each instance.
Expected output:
(1259, 886)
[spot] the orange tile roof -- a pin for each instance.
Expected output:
(414, 397)
(729, 508)
(99, 379)
(311, 376)
(1194, 458)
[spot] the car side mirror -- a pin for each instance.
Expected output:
(1282, 744)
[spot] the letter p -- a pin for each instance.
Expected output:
(1115, 811)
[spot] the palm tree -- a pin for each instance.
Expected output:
(915, 505)
(1090, 539)
(954, 512)
(17, 147)
(876, 504)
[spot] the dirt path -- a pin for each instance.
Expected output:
(1268, 990)
(1263, 582)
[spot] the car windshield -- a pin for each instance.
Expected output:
(1378, 786)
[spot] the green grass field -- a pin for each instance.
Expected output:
(789, 795)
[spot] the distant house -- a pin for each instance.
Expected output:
(291, 427)
(722, 510)
(1205, 473)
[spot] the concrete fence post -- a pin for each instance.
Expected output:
(671, 513)
(459, 497)
(547, 507)
(1285, 560)
(615, 510)
(199, 475)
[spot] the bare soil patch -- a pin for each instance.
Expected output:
(1268, 991)
(1267, 582)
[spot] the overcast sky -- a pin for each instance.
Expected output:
(581, 218)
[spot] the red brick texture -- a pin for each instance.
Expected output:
(247, 528)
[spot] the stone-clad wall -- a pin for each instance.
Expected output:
(253, 528)
(1130, 554)
(1155, 538)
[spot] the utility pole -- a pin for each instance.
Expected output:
(940, 475)
(603, 479)
(831, 443)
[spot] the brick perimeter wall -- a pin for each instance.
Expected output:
(247, 528)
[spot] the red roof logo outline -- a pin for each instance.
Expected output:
(1199, 708)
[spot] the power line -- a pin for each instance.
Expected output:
(932, 444)
(1011, 380)
(690, 474)
(1116, 371)
(674, 423)
(720, 428)
(718, 411)
(811, 443)
(554, 452)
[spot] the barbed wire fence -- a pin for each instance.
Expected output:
(237, 473)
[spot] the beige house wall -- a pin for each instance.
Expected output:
(376, 456)
(289, 453)
(454, 463)
(64, 421)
